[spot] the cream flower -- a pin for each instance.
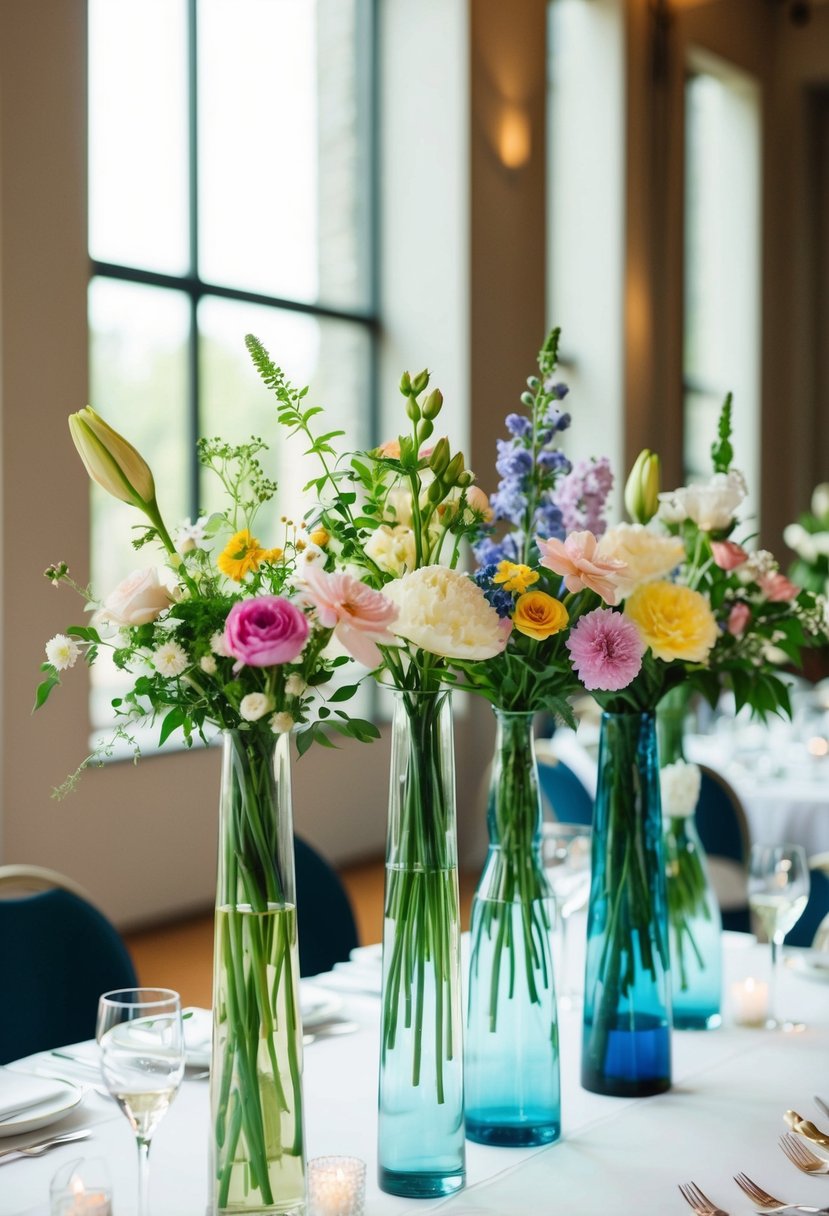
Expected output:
(295, 686)
(208, 664)
(62, 652)
(217, 644)
(392, 549)
(712, 505)
(254, 706)
(679, 785)
(282, 723)
(443, 612)
(646, 554)
(138, 599)
(170, 659)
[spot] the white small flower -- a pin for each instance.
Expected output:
(62, 652)
(208, 664)
(170, 659)
(255, 705)
(295, 686)
(217, 645)
(679, 786)
(312, 555)
(190, 536)
(282, 723)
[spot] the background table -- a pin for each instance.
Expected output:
(724, 1114)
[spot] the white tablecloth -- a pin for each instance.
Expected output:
(724, 1114)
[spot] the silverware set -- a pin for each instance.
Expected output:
(793, 1146)
(41, 1146)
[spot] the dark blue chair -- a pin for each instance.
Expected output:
(803, 933)
(723, 830)
(566, 799)
(58, 953)
(325, 921)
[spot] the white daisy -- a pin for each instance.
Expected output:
(62, 652)
(170, 659)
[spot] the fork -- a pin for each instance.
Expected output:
(37, 1150)
(804, 1128)
(762, 1199)
(801, 1156)
(697, 1200)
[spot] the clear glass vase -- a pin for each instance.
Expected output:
(626, 1045)
(513, 1088)
(421, 1125)
(694, 920)
(257, 1160)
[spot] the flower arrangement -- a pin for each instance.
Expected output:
(809, 539)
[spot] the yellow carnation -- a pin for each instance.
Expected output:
(676, 622)
(515, 577)
(539, 615)
(243, 554)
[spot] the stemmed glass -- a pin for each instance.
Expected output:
(141, 1038)
(778, 891)
(565, 854)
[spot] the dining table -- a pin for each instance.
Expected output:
(723, 1114)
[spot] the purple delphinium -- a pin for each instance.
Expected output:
(548, 520)
(519, 425)
(582, 496)
(514, 459)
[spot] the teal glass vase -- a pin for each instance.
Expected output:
(626, 1041)
(513, 1091)
(421, 1150)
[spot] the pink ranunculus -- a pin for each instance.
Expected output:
(576, 560)
(738, 619)
(265, 631)
(137, 600)
(727, 554)
(359, 616)
(606, 649)
(778, 589)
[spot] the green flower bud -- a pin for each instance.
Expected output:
(420, 382)
(642, 487)
(413, 409)
(454, 469)
(432, 404)
(466, 479)
(110, 461)
(439, 458)
(534, 383)
(527, 399)
(424, 429)
(406, 384)
(436, 491)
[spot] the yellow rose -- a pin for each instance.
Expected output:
(676, 622)
(539, 615)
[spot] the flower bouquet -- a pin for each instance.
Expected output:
(809, 539)
(227, 635)
(398, 514)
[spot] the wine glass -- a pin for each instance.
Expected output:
(778, 891)
(141, 1037)
(565, 854)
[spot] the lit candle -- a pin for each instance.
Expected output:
(72, 1197)
(337, 1186)
(750, 1002)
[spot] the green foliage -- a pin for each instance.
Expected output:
(722, 452)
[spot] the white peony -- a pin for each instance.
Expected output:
(62, 652)
(679, 784)
(443, 612)
(392, 549)
(254, 706)
(711, 505)
(647, 555)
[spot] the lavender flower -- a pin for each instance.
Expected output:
(582, 495)
(518, 425)
(513, 460)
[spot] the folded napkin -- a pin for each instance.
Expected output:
(198, 1033)
(21, 1092)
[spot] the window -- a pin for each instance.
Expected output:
(231, 190)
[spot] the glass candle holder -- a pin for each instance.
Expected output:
(81, 1188)
(336, 1186)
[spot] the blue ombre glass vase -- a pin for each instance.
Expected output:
(513, 1091)
(626, 1043)
(421, 1151)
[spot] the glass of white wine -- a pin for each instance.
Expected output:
(778, 891)
(141, 1038)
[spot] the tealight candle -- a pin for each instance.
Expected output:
(337, 1186)
(750, 1002)
(81, 1188)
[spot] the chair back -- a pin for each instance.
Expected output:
(58, 953)
(327, 932)
(562, 793)
(723, 829)
(809, 930)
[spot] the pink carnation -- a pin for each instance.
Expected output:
(727, 554)
(359, 616)
(606, 649)
(577, 561)
(738, 619)
(777, 588)
(265, 631)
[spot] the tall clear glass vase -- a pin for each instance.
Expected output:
(421, 1125)
(513, 1091)
(257, 1160)
(694, 920)
(626, 1046)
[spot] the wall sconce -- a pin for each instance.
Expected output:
(514, 141)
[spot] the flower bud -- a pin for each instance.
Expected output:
(534, 383)
(413, 409)
(454, 469)
(820, 500)
(424, 430)
(642, 487)
(440, 456)
(406, 384)
(466, 478)
(527, 399)
(436, 491)
(420, 382)
(110, 461)
(432, 404)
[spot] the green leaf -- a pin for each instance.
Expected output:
(85, 634)
(345, 693)
(43, 690)
(174, 719)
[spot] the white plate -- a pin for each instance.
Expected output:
(317, 1004)
(44, 1113)
(811, 964)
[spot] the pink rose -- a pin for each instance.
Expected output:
(359, 616)
(728, 555)
(738, 619)
(140, 598)
(265, 631)
(777, 588)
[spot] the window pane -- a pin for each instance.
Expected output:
(332, 356)
(138, 159)
(283, 201)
